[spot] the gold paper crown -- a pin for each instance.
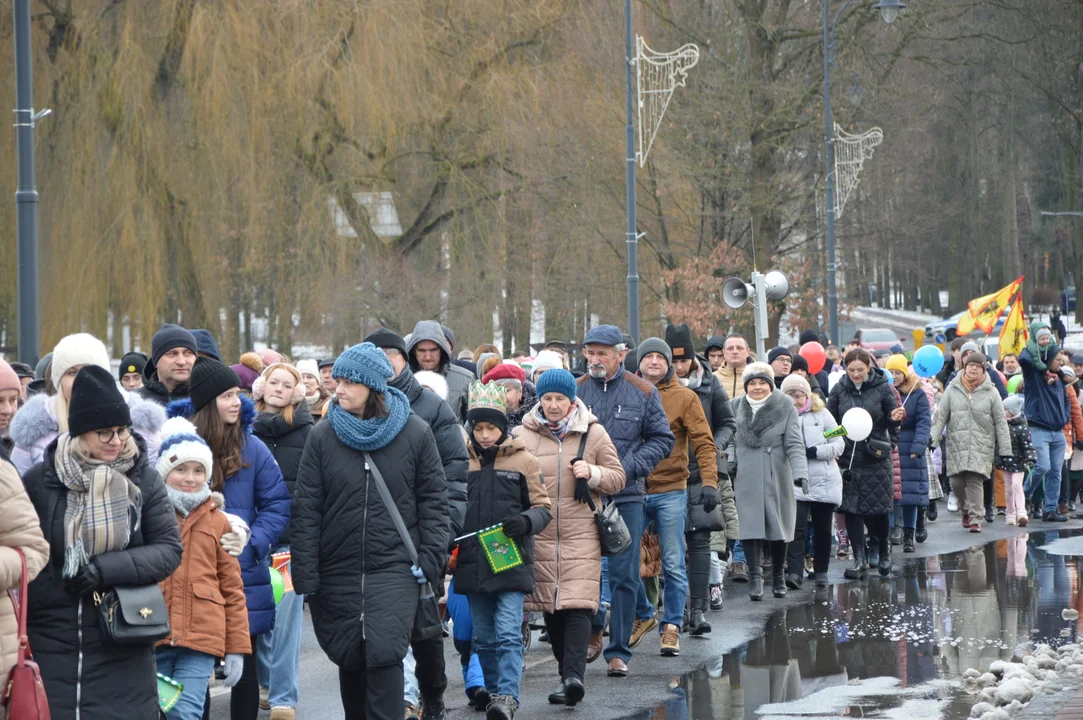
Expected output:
(491, 396)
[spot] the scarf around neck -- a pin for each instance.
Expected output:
(971, 386)
(373, 433)
(186, 502)
(103, 505)
(559, 429)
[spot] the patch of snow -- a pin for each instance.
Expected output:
(1065, 546)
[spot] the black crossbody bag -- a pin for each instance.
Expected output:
(612, 530)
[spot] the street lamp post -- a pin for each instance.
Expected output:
(889, 10)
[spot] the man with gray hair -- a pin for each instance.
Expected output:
(630, 409)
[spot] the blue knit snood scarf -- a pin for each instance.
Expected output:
(374, 433)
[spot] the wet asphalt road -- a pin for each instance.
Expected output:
(651, 676)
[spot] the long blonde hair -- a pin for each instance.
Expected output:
(817, 403)
(285, 412)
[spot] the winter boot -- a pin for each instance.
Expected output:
(698, 624)
(921, 533)
(897, 533)
(872, 551)
(778, 583)
(860, 569)
(884, 564)
(908, 540)
(754, 555)
(501, 707)
(820, 579)
(931, 514)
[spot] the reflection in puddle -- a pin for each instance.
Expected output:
(893, 648)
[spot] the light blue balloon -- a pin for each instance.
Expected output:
(888, 375)
(928, 361)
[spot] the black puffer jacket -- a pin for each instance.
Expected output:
(286, 442)
(111, 681)
(153, 389)
(428, 406)
(869, 488)
(347, 555)
(720, 418)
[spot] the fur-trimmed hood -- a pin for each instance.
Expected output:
(184, 408)
(750, 428)
(36, 421)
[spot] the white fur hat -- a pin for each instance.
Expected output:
(78, 349)
(547, 360)
(760, 370)
(180, 444)
(308, 367)
(433, 381)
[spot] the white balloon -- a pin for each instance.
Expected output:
(858, 424)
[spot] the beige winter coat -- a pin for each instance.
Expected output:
(567, 553)
(19, 528)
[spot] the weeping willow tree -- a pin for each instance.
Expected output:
(188, 169)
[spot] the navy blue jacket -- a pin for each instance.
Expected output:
(1046, 406)
(630, 409)
(914, 440)
(258, 495)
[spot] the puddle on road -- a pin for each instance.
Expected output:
(895, 648)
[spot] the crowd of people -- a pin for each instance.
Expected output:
(176, 514)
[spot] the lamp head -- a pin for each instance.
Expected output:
(889, 9)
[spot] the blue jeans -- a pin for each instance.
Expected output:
(192, 669)
(669, 511)
(909, 516)
(644, 609)
(410, 688)
(597, 623)
(738, 553)
(1050, 447)
(624, 583)
(278, 653)
(498, 640)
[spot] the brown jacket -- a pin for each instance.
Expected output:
(731, 381)
(1073, 430)
(19, 528)
(205, 595)
(689, 425)
(567, 553)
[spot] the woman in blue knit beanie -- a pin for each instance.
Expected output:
(347, 554)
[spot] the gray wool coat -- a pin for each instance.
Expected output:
(770, 452)
(976, 426)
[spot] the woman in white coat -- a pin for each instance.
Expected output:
(824, 491)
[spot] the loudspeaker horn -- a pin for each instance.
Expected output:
(735, 292)
(776, 284)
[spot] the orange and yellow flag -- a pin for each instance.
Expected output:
(1014, 334)
(986, 310)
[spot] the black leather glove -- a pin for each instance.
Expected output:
(582, 491)
(710, 498)
(87, 580)
(810, 452)
(516, 527)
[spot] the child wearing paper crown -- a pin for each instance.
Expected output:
(504, 489)
(205, 596)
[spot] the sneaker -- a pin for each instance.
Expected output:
(843, 553)
(671, 642)
(953, 503)
(809, 568)
(502, 707)
(1053, 517)
(975, 527)
(966, 521)
(1023, 520)
(283, 713)
(264, 696)
(738, 572)
(412, 712)
(1009, 520)
(716, 597)
(639, 629)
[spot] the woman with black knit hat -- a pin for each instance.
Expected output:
(246, 473)
(346, 550)
(109, 522)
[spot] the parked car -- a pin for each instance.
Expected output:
(879, 339)
(942, 331)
